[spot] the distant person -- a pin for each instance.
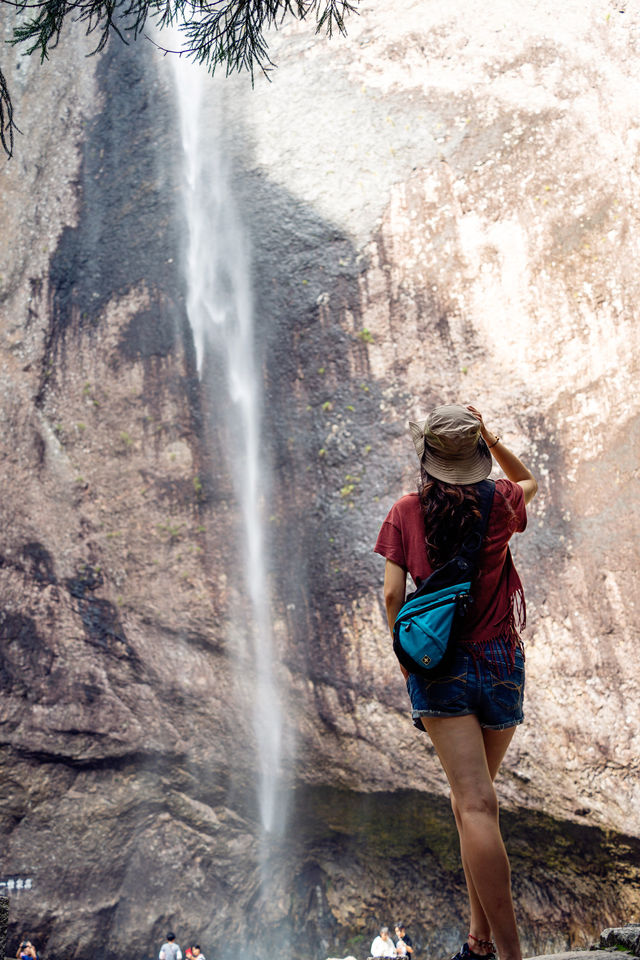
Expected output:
(383, 945)
(471, 708)
(404, 945)
(26, 950)
(170, 949)
(197, 953)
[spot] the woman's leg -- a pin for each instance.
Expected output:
(496, 743)
(464, 753)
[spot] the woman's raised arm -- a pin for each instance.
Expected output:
(513, 467)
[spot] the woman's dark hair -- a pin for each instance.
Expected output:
(449, 511)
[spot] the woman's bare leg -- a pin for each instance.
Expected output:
(464, 753)
(496, 743)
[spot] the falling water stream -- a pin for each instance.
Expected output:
(220, 310)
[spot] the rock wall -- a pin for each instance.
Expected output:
(440, 207)
(4, 918)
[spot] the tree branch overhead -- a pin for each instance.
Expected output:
(218, 33)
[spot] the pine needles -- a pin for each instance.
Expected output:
(7, 126)
(232, 32)
(217, 33)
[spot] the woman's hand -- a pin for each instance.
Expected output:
(488, 437)
(476, 413)
(512, 466)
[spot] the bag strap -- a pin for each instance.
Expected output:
(472, 544)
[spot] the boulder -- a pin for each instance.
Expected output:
(627, 937)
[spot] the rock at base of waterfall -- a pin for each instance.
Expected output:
(4, 920)
(627, 937)
(578, 955)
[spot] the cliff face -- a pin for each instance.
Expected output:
(440, 207)
(476, 244)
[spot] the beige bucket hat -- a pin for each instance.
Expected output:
(449, 445)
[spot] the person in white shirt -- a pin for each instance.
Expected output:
(383, 946)
(170, 949)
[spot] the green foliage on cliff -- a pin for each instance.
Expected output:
(216, 33)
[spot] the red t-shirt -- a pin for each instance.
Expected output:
(498, 612)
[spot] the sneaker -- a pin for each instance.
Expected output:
(466, 953)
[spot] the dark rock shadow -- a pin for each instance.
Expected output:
(322, 429)
(128, 229)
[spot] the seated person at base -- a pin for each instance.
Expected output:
(383, 946)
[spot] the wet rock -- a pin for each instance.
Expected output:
(4, 920)
(577, 955)
(627, 937)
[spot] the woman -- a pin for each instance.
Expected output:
(471, 713)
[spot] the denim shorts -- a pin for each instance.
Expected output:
(493, 692)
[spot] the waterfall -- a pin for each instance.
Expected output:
(220, 310)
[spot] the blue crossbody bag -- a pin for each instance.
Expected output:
(425, 629)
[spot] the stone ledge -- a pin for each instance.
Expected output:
(612, 937)
(627, 937)
(570, 955)
(578, 955)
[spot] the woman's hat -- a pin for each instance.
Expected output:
(450, 447)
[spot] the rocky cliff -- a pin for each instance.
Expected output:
(439, 207)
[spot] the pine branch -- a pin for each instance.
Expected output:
(42, 31)
(7, 125)
(229, 33)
